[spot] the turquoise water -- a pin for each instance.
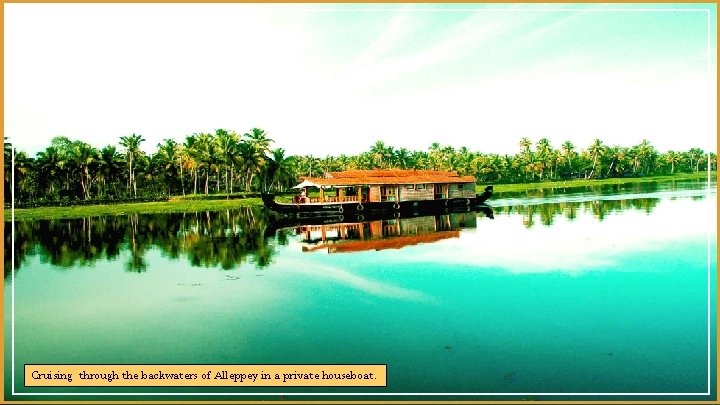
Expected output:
(573, 293)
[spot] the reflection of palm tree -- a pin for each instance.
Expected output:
(570, 210)
(547, 213)
(264, 255)
(137, 262)
(528, 220)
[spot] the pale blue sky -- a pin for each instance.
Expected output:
(333, 79)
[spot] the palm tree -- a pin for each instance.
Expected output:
(618, 160)
(283, 170)
(595, 150)
(672, 158)
(110, 163)
(131, 144)
(403, 158)
(228, 142)
(544, 155)
(647, 155)
(258, 140)
(49, 165)
(381, 154)
(168, 158)
(635, 159)
(191, 159)
(694, 155)
(251, 163)
(525, 144)
(204, 149)
(22, 168)
(568, 152)
(7, 163)
(83, 156)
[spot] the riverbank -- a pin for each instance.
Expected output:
(501, 188)
(180, 204)
(172, 206)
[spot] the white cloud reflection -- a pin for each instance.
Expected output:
(347, 278)
(584, 244)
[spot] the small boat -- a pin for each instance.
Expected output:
(361, 192)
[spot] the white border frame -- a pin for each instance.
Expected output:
(710, 229)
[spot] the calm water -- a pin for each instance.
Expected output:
(589, 291)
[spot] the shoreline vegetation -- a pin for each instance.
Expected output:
(194, 203)
(214, 170)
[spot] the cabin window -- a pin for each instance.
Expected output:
(388, 193)
(460, 186)
(410, 187)
(420, 186)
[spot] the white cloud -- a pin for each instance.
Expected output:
(97, 72)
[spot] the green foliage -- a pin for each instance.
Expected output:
(224, 163)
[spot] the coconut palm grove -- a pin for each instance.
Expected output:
(229, 163)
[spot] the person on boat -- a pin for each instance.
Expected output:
(303, 196)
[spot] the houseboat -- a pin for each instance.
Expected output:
(367, 191)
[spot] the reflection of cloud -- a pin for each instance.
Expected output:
(355, 281)
(576, 246)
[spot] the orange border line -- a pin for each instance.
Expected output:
(130, 400)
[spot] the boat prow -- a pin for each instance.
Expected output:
(481, 198)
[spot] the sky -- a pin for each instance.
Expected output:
(333, 79)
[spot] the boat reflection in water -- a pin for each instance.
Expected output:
(338, 235)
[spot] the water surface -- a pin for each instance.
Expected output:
(583, 292)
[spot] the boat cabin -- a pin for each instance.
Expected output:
(366, 186)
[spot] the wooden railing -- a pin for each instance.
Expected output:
(329, 199)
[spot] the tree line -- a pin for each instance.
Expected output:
(226, 162)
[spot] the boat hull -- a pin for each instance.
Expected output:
(355, 208)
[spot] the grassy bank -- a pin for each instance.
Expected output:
(191, 204)
(499, 188)
(174, 205)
